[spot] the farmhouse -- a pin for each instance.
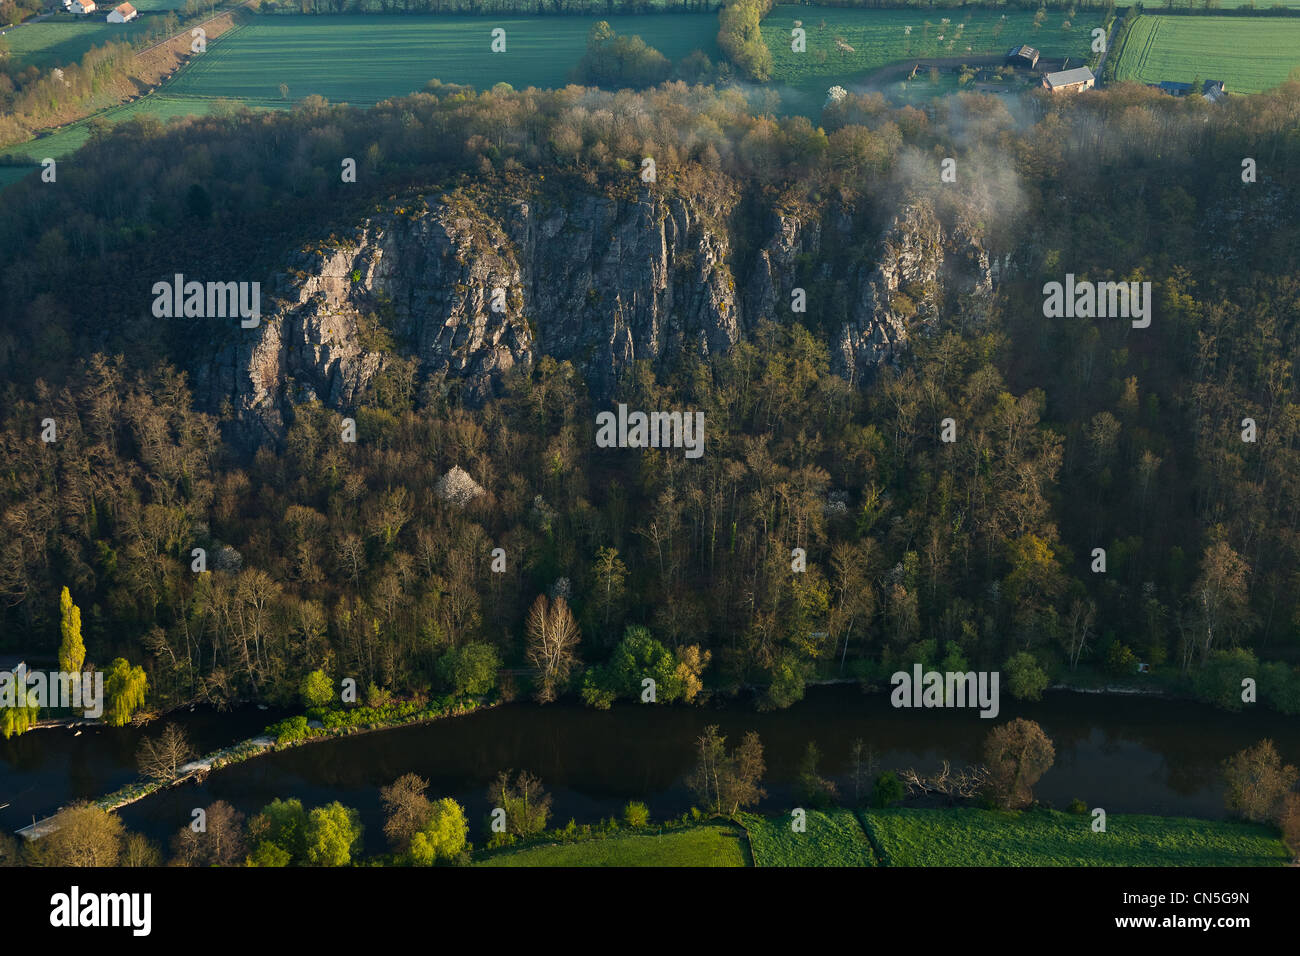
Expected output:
(81, 7)
(1172, 88)
(122, 13)
(1022, 56)
(1214, 90)
(1069, 81)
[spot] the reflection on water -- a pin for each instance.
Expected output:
(1124, 754)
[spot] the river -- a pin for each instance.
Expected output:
(1126, 754)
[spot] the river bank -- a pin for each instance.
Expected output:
(362, 720)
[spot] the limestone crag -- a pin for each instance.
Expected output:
(465, 293)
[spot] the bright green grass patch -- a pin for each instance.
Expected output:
(698, 846)
(880, 37)
(1250, 54)
(72, 137)
(967, 837)
(60, 41)
(833, 838)
(363, 60)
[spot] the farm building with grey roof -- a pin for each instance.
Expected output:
(1070, 81)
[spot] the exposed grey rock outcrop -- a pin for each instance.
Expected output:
(470, 293)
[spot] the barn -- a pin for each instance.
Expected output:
(1022, 56)
(81, 7)
(1214, 90)
(123, 13)
(1070, 81)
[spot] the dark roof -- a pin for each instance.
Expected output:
(1213, 85)
(1169, 86)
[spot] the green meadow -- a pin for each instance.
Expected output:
(61, 143)
(1250, 54)
(363, 60)
(831, 838)
(880, 37)
(714, 845)
(969, 837)
(62, 40)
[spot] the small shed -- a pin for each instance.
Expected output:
(1022, 56)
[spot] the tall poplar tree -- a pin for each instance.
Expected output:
(72, 650)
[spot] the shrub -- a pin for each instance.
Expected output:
(887, 790)
(290, 730)
(1120, 660)
(1026, 680)
(636, 814)
(471, 669)
(317, 689)
(1219, 679)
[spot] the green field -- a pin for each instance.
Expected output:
(363, 60)
(833, 838)
(879, 37)
(698, 846)
(71, 138)
(1249, 54)
(62, 40)
(965, 837)
(1259, 4)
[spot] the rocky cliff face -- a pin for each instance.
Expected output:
(470, 292)
(922, 273)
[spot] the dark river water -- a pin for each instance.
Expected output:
(1125, 754)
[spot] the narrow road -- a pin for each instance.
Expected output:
(1110, 37)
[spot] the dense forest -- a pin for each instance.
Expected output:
(1071, 434)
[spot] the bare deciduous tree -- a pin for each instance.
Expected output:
(407, 809)
(1257, 781)
(163, 756)
(553, 638)
(963, 784)
(1018, 754)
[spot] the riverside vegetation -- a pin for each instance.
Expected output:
(999, 825)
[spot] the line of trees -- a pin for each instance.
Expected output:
(741, 38)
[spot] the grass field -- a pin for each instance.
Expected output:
(966, 837)
(71, 138)
(699, 846)
(62, 40)
(1259, 4)
(879, 37)
(834, 838)
(363, 60)
(1250, 54)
